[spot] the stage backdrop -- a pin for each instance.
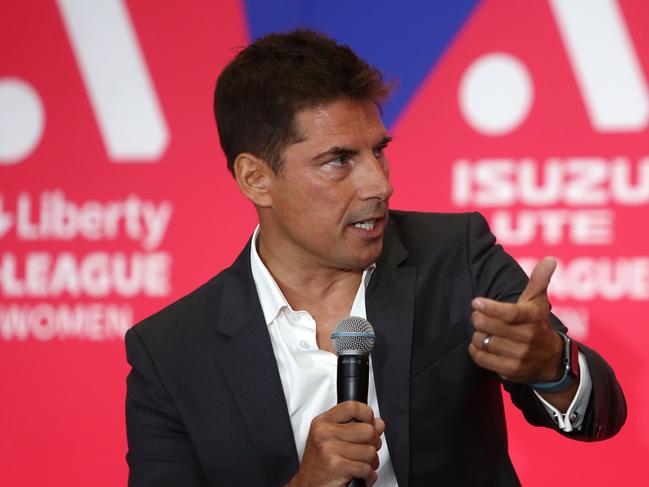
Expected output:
(115, 199)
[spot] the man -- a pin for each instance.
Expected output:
(234, 384)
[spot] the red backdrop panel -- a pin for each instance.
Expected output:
(96, 234)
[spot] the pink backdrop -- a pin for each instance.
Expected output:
(114, 204)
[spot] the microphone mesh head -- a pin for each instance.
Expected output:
(353, 336)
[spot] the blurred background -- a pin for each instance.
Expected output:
(115, 199)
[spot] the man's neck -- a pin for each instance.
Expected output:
(326, 293)
(304, 284)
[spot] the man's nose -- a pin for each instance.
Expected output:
(375, 180)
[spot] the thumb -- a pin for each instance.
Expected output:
(539, 280)
(379, 425)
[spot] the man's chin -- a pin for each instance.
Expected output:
(369, 256)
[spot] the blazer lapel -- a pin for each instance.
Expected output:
(246, 356)
(390, 308)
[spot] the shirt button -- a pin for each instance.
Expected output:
(572, 417)
(304, 344)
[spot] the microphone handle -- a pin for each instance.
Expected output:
(352, 384)
(353, 378)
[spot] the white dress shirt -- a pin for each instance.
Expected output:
(574, 415)
(308, 374)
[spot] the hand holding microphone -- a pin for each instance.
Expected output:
(342, 445)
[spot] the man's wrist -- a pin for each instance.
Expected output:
(555, 368)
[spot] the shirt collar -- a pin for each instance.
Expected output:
(270, 295)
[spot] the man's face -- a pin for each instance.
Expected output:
(330, 201)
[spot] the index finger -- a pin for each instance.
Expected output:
(513, 313)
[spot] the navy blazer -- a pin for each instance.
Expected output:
(205, 405)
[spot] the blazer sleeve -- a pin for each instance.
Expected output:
(495, 274)
(159, 451)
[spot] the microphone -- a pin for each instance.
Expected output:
(353, 340)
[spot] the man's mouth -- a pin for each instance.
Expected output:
(365, 225)
(371, 226)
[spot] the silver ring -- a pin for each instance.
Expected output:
(485, 342)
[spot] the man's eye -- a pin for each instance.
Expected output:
(341, 161)
(378, 152)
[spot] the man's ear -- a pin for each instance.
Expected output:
(254, 177)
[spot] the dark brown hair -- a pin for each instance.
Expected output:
(260, 91)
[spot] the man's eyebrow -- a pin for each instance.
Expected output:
(344, 151)
(335, 151)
